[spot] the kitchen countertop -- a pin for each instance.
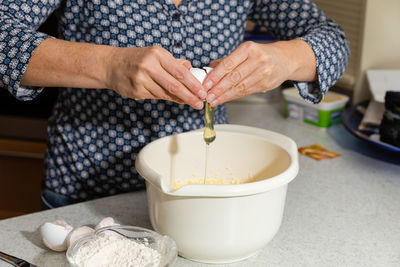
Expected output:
(339, 212)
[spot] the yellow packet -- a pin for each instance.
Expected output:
(318, 152)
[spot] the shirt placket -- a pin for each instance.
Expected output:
(177, 30)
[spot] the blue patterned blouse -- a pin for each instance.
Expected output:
(94, 135)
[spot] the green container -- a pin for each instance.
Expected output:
(323, 115)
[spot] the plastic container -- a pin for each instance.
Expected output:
(163, 244)
(219, 223)
(325, 114)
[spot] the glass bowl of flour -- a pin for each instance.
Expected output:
(123, 246)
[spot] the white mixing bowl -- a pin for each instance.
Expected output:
(219, 223)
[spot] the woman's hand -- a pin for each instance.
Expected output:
(254, 67)
(153, 73)
(134, 72)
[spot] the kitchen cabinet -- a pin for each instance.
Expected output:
(21, 172)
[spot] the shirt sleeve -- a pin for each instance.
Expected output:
(302, 19)
(19, 37)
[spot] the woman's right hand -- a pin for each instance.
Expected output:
(153, 73)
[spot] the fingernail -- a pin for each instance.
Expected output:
(214, 103)
(210, 98)
(209, 84)
(199, 105)
(202, 94)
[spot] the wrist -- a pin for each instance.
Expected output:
(299, 59)
(109, 63)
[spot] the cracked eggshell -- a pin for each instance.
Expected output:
(208, 69)
(79, 233)
(200, 74)
(54, 235)
(108, 221)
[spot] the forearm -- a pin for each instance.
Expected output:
(326, 39)
(136, 72)
(301, 61)
(59, 63)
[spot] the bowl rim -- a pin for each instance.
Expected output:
(197, 190)
(173, 250)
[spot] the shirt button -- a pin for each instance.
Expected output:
(176, 15)
(178, 44)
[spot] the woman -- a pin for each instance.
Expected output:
(135, 56)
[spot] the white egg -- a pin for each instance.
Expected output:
(54, 234)
(208, 69)
(108, 221)
(200, 74)
(79, 233)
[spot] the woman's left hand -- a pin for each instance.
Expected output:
(254, 67)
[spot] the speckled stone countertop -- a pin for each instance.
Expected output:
(339, 212)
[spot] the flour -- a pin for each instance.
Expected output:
(113, 250)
